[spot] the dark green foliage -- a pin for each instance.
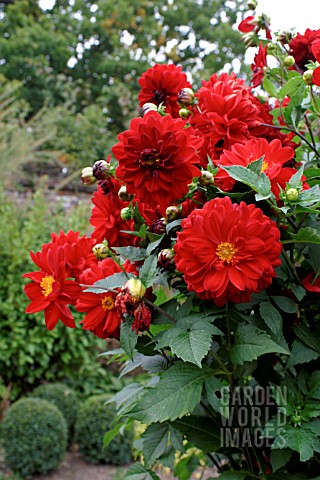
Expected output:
(95, 419)
(64, 398)
(34, 434)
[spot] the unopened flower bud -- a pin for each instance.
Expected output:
(126, 213)
(149, 107)
(166, 258)
(292, 195)
(284, 37)
(206, 178)
(136, 288)
(186, 96)
(289, 61)
(307, 77)
(272, 47)
(87, 176)
(124, 195)
(252, 4)
(184, 113)
(173, 212)
(101, 170)
(250, 39)
(159, 226)
(100, 251)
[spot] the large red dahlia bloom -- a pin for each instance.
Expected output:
(275, 156)
(162, 84)
(227, 251)
(157, 159)
(301, 47)
(50, 290)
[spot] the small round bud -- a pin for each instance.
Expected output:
(172, 213)
(206, 178)
(284, 37)
(271, 47)
(166, 258)
(149, 107)
(184, 113)
(186, 97)
(135, 288)
(292, 195)
(252, 4)
(124, 195)
(101, 170)
(289, 61)
(87, 176)
(126, 213)
(100, 251)
(159, 226)
(307, 77)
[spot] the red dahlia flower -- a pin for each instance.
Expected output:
(259, 66)
(275, 156)
(162, 84)
(301, 47)
(311, 283)
(50, 290)
(316, 52)
(251, 23)
(106, 219)
(227, 251)
(157, 159)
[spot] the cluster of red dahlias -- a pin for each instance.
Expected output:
(170, 165)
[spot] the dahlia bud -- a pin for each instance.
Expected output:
(149, 107)
(124, 195)
(159, 226)
(184, 113)
(100, 251)
(289, 61)
(307, 77)
(250, 39)
(252, 4)
(172, 213)
(186, 97)
(87, 176)
(136, 288)
(142, 318)
(165, 258)
(126, 213)
(101, 170)
(292, 195)
(284, 37)
(272, 47)
(206, 178)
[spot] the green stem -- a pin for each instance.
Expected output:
(148, 302)
(291, 266)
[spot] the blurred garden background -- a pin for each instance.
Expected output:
(69, 74)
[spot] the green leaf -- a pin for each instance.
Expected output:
(202, 432)
(185, 467)
(173, 226)
(155, 440)
(279, 458)
(305, 235)
(295, 180)
(301, 354)
(110, 283)
(235, 476)
(128, 337)
(154, 244)
(300, 439)
(270, 88)
(111, 434)
(291, 86)
(217, 402)
(243, 175)
(177, 393)
(271, 316)
(285, 303)
(139, 472)
(309, 338)
(148, 271)
(298, 291)
(250, 343)
(256, 165)
(134, 254)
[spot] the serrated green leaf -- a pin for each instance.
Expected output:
(250, 343)
(243, 175)
(298, 291)
(256, 166)
(285, 303)
(305, 235)
(279, 458)
(148, 271)
(139, 472)
(177, 393)
(185, 467)
(270, 88)
(155, 440)
(128, 337)
(309, 338)
(110, 283)
(301, 354)
(134, 254)
(111, 434)
(202, 432)
(271, 316)
(154, 244)
(295, 180)
(299, 439)
(291, 86)
(213, 386)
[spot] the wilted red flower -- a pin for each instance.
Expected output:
(162, 84)
(316, 52)
(106, 219)
(301, 47)
(50, 290)
(228, 251)
(259, 66)
(102, 317)
(311, 283)
(275, 156)
(157, 159)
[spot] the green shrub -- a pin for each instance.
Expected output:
(34, 435)
(94, 420)
(64, 398)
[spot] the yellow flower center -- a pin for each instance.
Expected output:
(264, 166)
(107, 303)
(46, 285)
(226, 251)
